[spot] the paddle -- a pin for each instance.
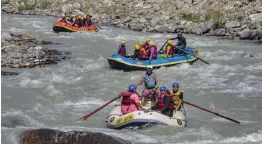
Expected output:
(212, 112)
(93, 112)
(194, 56)
(162, 46)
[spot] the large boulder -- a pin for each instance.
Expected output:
(6, 36)
(50, 136)
(161, 29)
(244, 34)
(206, 26)
(76, 5)
(67, 8)
(232, 24)
(256, 17)
(136, 27)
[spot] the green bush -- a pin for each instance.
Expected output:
(191, 17)
(26, 6)
(217, 16)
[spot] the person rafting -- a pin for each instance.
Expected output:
(152, 51)
(144, 53)
(181, 44)
(122, 50)
(165, 103)
(169, 50)
(67, 20)
(177, 96)
(146, 44)
(87, 20)
(130, 100)
(150, 81)
(136, 52)
(77, 21)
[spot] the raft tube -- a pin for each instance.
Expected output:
(141, 119)
(128, 64)
(64, 27)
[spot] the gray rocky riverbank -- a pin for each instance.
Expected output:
(223, 18)
(24, 51)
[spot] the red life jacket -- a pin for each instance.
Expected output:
(77, 22)
(171, 50)
(126, 98)
(161, 103)
(87, 21)
(122, 50)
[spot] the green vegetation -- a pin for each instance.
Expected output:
(24, 5)
(191, 17)
(217, 16)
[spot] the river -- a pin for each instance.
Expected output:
(56, 96)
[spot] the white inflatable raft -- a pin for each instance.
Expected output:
(116, 120)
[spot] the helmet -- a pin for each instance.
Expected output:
(87, 13)
(150, 43)
(149, 67)
(175, 84)
(179, 34)
(169, 42)
(163, 88)
(67, 18)
(148, 40)
(122, 42)
(137, 47)
(79, 17)
(140, 43)
(132, 88)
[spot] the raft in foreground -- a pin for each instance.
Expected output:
(64, 27)
(116, 120)
(128, 64)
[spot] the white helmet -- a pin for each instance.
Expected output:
(149, 67)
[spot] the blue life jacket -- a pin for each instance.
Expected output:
(150, 81)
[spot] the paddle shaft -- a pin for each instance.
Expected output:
(162, 46)
(93, 112)
(212, 112)
(193, 55)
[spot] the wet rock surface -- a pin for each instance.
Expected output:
(206, 17)
(50, 136)
(24, 51)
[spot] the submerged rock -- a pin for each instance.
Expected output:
(50, 136)
(8, 73)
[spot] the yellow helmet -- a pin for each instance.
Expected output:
(67, 18)
(150, 43)
(122, 42)
(148, 40)
(140, 43)
(137, 47)
(79, 17)
(169, 42)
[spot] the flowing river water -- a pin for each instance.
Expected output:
(56, 96)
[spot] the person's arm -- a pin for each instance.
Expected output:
(141, 81)
(180, 102)
(173, 38)
(126, 50)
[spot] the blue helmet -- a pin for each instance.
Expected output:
(132, 88)
(175, 84)
(163, 88)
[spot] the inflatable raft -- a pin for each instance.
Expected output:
(140, 119)
(128, 64)
(64, 27)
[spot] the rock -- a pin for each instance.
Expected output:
(243, 27)
(244, 34)
(161, 29)
(136, 27)
(4, 122)
(256, 17)
(220, 32)
(76, 5)
(232, 24)
(6, 36)
(207, 26)
(67, 8)
(50, 136)
(247, 55)
(183, 22)
(258, 9)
